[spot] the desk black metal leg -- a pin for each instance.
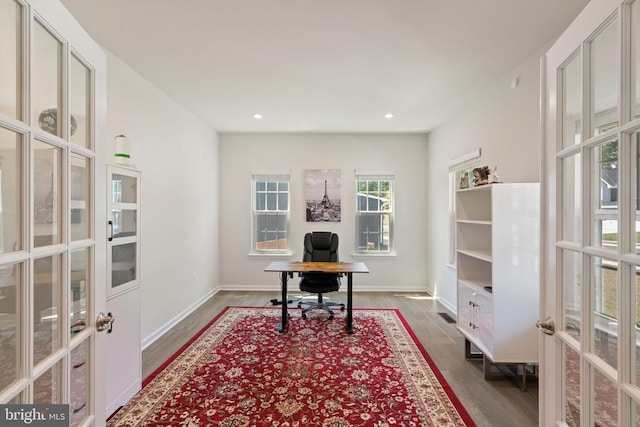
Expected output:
(349, 303)
(285, 314)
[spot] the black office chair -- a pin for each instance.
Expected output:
(320, 246)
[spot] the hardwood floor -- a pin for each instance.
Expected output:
(495, 403)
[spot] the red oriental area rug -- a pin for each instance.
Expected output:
(239, 371)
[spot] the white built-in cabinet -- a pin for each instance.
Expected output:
(497, 260)
(124, 352)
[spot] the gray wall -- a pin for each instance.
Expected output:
(196, 190)
(505, 123)
(240, 154)
(178, 156)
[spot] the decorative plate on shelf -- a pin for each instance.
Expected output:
(48, 121)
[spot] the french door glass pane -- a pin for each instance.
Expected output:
(11, 193)
(571, 292)
(571, 385)
(79, 380)
(605, 81)
(604, 187)
(635, 60)
(605, 400)
(47, 184)
(635, 327)
(47, 388)
(46, 304)
(604, 282)
(11, 283)
(79, 121)
(572, 102)
(46, 73)
(635, 165)
(571, 198)
(78, 290)
(79, 204)
(11, 64)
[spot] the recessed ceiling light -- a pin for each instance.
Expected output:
(388, 116)
(257, 116)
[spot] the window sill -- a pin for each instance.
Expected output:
(270, 255)
(373, 255)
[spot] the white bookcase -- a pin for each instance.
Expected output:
(498, 242)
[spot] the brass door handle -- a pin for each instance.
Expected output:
(547, 325)
(105, 322)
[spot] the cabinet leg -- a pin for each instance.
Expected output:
(469, 354)
(517, 371)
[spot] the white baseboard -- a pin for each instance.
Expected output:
(294, 288)
(449, 306)
(147, 341)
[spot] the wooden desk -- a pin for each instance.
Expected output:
(286, 270)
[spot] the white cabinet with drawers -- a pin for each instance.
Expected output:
(497, 261)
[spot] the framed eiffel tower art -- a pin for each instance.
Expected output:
(323, 195)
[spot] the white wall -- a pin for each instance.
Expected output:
(187, 174)
(505, 123)
(240, 154)
(178, 156)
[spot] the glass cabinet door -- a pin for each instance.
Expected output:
(123, 229)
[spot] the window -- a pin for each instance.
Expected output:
(460, 170)
(270, 219)
(374, 212)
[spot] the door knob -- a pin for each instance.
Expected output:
(105, 322)
(547, 325)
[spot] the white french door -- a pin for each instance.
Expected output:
(52, 256)
(590, 367)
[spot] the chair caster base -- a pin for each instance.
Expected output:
(304, 315)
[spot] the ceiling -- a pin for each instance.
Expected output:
(323, 66)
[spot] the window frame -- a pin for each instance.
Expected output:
(365, 175)
(278, 177)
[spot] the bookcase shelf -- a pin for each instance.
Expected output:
(497, 262)
(483, 255)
